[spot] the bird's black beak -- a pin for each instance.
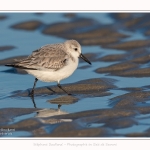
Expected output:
(84, 58)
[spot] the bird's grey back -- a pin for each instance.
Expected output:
(52, 56)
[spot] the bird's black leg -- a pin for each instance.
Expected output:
(62, 88)
(51, 90)
(32, 92)
(32, 97)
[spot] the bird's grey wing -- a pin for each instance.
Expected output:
(47, 57)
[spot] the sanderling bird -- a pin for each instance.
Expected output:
(52, 62)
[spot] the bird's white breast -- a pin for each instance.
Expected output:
(50, 75)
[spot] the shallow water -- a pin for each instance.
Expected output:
(27, 41)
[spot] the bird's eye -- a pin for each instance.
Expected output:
(75, 49)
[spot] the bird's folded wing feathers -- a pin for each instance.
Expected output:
(47, 57)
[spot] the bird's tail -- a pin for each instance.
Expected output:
(10, 65)
(21, 67)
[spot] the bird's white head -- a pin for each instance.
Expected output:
(74, 49)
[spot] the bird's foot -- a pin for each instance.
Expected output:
(31, 94)
(69, 94)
